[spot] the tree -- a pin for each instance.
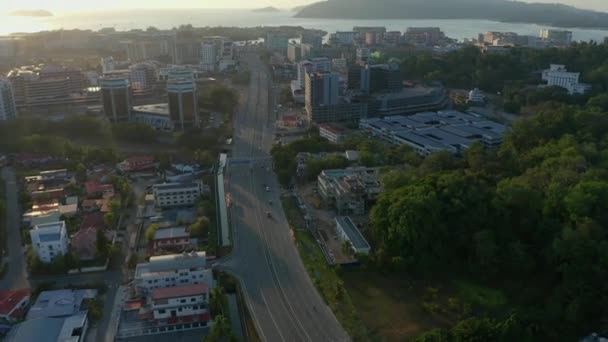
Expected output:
(220, 330)
(101, 244)
(217, 301)
(200, 228)
(81, 173)
(109, 219)
(347, 248)
(151, 230)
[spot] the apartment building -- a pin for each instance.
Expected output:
(183, 103)
(8, 109)
(177, 194)
(558, 75)
(50, 240)
(172, 270)
(185, 302)
(351, 190)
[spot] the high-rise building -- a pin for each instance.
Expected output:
(107, 64)
(116, 98)
(294, 52)
(183, 103)
(208, 56)
(186, 47)
(392, 38)
(344, 38)
(358, 78)
(370, 35)
(318, 64)
(227, 49)
(142, 77)
(276, 41)
(363, 55)
(315, 40)
(8, 110)
(385, 78)
(321, 89)
(559, 37)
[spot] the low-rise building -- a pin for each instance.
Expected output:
(177, 194)
(557, 75)
(174, 239)
(137, 164)
(348, 231)
(170, 305)
(408, 101)
(13, 304)
(331, 133)
(50, 240)
(476, 96)
(153, 115)
(351, 190)
(172, 270)
(431, 132)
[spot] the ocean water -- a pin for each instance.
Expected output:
(166, 19)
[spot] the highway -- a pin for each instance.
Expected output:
(281, 297)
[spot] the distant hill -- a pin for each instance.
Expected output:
(498, 10)
(298, 8)
(267, 9)
(31, 13)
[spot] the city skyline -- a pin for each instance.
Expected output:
(74, 5)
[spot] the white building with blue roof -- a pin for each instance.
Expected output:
(50, 240)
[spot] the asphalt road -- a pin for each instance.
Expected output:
(281, 297)
(16, 277)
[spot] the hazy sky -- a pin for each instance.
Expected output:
(74, 5)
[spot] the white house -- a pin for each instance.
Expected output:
(180, 302)
(50, 240)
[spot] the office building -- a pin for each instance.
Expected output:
(557, 75)
(208, 56)
(392, 38)
(142, 78)
(408, 101)
(8, 109)
(154, 115)
(345, 111)
(423, 35)
(276, 41)
(350, 191)
(359, 79)
(321, 89)
(318, 64)
(385, 78)
(313, 39)
(348, 231)
(370, 36)
(50, 240)
(331, 133)
(177, 194)
(183, 104)
(107, 64)
(430, 132)
(558, 37)
(116, 98)
(339, 65)
(172, 270)
(294, 52)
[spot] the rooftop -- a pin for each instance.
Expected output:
(8, 299)
(171, 263)
(59, 303)
(353, 233)
(175, 186)
(158, 109)
(179, 291)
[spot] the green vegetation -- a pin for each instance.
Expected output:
(292, 212)
(205, 228)
(134, 133)
(151, 230)
(526, 219)
(200, 228)
(102, 245)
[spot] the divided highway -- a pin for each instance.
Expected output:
(281, 297)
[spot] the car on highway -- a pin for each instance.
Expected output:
(268, 214)
(267, 189)
(270, 202)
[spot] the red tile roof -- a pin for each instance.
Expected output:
(94, 187)
(179, 291)
(83, 243)
(94, 220)
(9, 299)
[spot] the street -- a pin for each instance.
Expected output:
(16, 278)
(279, 293)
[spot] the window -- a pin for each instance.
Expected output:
(161, 311)
(182, 301)
(195, 307)
(193, 299)
(180, 309)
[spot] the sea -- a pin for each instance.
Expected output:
(169, 18)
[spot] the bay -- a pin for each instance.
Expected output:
(169, 18)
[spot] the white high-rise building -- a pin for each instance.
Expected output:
(50, 240)
(557, 75)
(208, 56)
(8, 110)
(319, 64)
(107, 64)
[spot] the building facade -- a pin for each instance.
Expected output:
(276, 41)
(557, 75)
(183, 104)
(177, 194)
(349, 191)
(185, 302)
(8, 109)
(143, 79)
(50, 240)
(116, 98)
(208, 56)
(172, 270)
(321, 89)
(559, 37)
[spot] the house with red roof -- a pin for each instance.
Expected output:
(94, 220)
(94, 188)
(13, 304)
(84, 242)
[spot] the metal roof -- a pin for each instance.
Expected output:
(353, 233)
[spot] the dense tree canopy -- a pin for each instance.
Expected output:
(535, 211)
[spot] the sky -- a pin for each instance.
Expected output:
(81, 5)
